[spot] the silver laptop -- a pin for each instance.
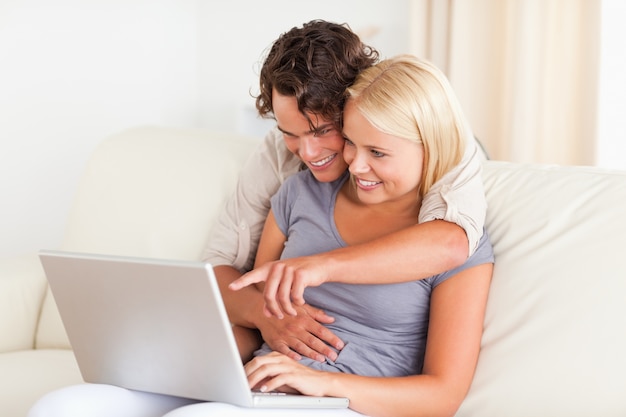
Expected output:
(155, 325)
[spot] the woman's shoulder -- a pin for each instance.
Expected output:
(484, 250)
(482, 255)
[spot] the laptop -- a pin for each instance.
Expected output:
(157, 326)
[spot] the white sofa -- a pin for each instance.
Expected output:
(555, 331)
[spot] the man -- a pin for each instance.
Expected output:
(311, 67)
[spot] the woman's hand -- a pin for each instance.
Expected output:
(285, 282)
(277, 372)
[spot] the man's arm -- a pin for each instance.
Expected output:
(413, 253)
(302, 334)
(232, 247)
(451, 222)
(459, 197)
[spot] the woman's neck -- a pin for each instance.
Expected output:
(358, 222)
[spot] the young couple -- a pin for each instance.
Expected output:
(393, 191)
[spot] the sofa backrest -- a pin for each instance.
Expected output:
(154, 192)
(555, 327)
(150, 192)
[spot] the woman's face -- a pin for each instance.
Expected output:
(385, 168)
(319, 148)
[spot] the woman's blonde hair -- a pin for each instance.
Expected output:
(412, 99)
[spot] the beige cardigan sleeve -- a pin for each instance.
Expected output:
(459, 197)
(235, 235)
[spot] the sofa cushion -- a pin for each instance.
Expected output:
(555, 336)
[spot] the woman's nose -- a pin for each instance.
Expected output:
(358, 165)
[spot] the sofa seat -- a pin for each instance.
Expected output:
(33, 373)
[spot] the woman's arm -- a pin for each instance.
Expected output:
(271, 243)
(312, 337)
(455, 331)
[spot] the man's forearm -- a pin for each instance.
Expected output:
(242, 306)
(416, 252)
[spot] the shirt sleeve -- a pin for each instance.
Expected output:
(459, 197)
(235, 235)
(482, 255)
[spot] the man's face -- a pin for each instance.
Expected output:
(319, 148)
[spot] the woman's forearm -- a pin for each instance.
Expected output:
(414, 396)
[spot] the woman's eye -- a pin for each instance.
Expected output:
(377, 154)
(348, 142)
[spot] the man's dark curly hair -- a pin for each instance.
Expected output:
(315, 64)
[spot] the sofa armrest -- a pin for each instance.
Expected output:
(51, 332)
(22, 290)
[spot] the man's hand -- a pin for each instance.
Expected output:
(285, 281)
(303, 334)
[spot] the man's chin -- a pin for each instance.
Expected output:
(327, 176)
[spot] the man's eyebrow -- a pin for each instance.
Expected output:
(322, 127)
(284, 131)
(317, 129)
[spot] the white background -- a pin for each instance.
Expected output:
(74, 71)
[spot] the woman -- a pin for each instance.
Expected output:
(411, 348)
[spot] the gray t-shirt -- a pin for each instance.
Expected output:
(384, 327)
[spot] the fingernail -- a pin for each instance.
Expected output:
(263, 388)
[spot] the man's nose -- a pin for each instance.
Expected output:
(309, 147)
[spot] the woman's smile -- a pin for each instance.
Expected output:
(366, 184)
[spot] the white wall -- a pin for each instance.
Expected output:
(234, 35)
(73, 72)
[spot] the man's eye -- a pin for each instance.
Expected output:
(323, 132)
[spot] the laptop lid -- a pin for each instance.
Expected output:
(154, 325)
